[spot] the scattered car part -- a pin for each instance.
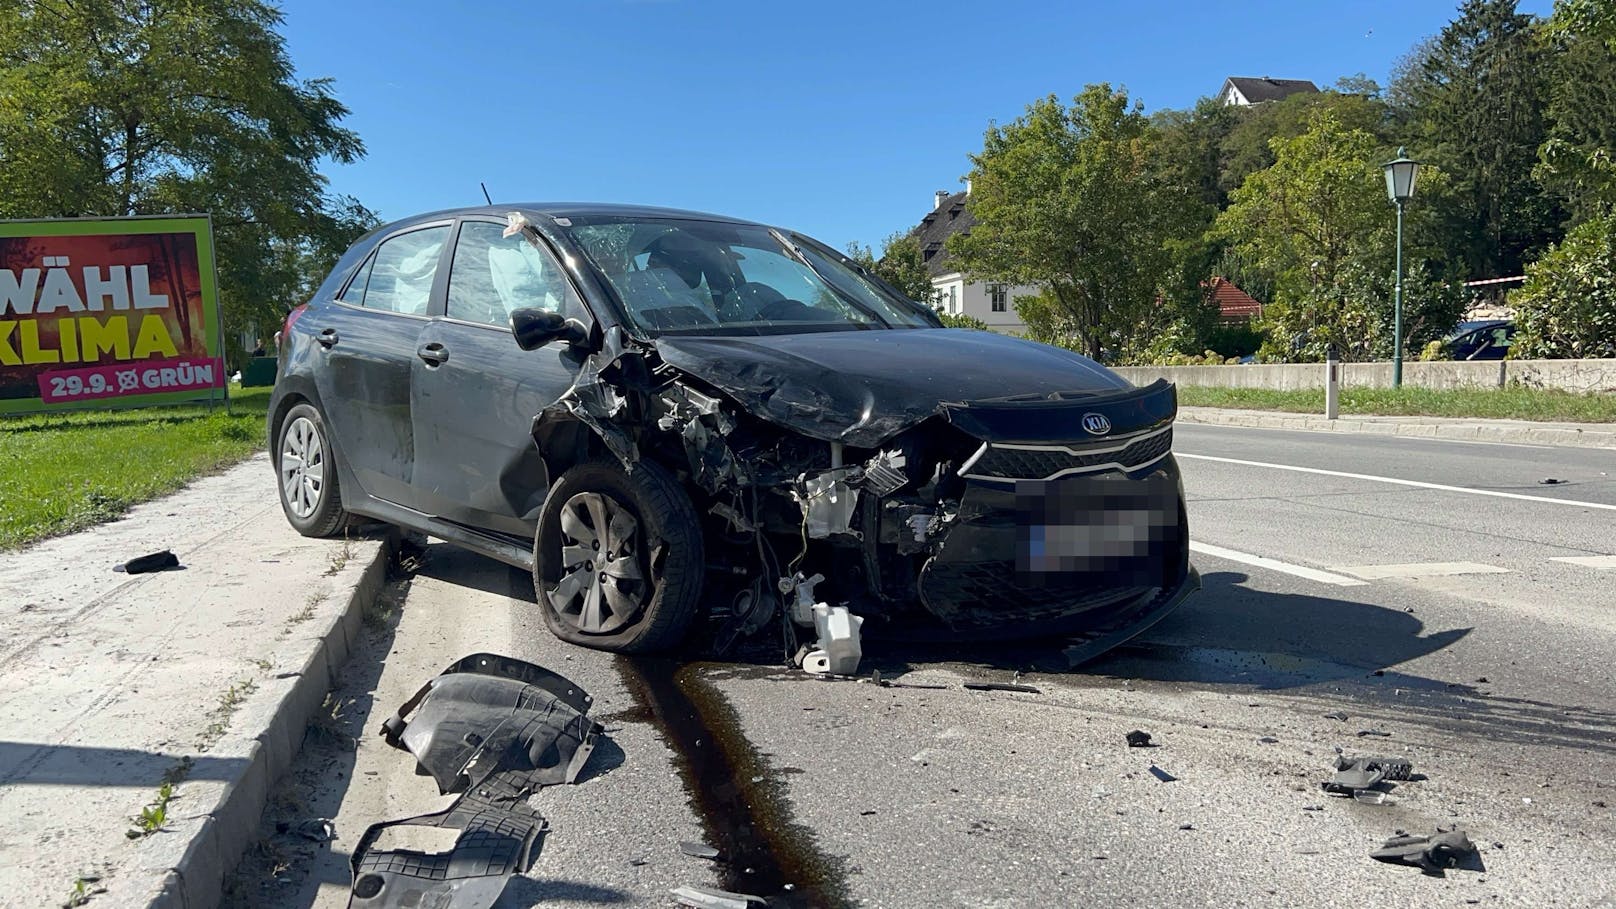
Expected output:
(1431, 854)
(157, 561)
(316, 829)
(1357, 774)
(1550, 481)
(1001, 686)
(1381, 733)
(699, 850)
(495, 730)
(839, 650)
(1162, 775)
(713, 898)
(1138, 739)
(1337, 715)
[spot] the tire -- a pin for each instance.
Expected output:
(306, 474)
(642, 604)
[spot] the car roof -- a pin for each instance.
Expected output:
(566, 210)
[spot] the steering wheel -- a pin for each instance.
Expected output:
(747, 302)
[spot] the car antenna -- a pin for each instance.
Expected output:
(485, 192)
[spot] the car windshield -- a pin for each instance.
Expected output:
(679, 276)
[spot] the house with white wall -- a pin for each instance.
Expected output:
(992, 302)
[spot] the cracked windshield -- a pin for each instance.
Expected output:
(665, 453)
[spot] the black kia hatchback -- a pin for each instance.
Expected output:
(681, 421)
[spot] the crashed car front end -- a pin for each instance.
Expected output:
(865, 467)
(991, 518)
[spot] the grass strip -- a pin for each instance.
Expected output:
(1513, 403)
(61, 472)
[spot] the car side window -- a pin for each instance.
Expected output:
(402, 271)
(492, 275)
(355, 291)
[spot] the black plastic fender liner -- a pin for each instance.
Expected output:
(496, 730)
(487, 713)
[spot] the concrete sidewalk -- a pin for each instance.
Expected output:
(1520, 432)
(109, 683)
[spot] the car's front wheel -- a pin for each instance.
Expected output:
(618, 558)
(308, 474)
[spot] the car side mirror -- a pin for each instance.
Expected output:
(535, 328)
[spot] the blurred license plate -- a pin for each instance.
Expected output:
(1088, 524)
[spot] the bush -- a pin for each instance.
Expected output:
(1568, 306)
(962, 320)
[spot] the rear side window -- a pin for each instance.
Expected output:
(493, 275)
(398, 278)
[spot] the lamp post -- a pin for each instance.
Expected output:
(1400, 176)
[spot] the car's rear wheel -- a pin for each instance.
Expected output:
(308, 474)
(618, 558)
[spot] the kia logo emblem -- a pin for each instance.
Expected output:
(1096, 424)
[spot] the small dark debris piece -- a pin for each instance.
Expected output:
(638, 862)
(1599, 804)
(1138, 739)
(1482, 681)
(1338, 715)
(1550, 481)
(865, 813)
(1312, 807)
(1268, 740)
(317, 829)
(698, 850)
(1378, 672)
(1186, 826)
(157, 561)
(1161, 774)
(1001, 686)
(1380, 732)
(1431, 854)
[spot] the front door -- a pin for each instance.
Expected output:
(475, 393)
(369, 339)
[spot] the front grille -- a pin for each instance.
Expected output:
(1008, 462)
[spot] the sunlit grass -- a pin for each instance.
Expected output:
(66, 471)
(1514, 403)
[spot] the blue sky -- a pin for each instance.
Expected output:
(839, 119)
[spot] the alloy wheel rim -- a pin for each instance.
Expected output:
(602, 585)
(302, 467)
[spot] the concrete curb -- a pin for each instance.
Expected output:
(266, 734)
(1461, 430)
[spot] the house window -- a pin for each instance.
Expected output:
(999, 294)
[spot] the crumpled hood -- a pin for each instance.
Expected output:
(862, 387)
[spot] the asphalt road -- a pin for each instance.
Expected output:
(1418, 587)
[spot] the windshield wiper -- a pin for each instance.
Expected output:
(797, 253)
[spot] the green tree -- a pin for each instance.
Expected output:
(1568, 306)
(1473, 102)
(122, 108)
(1314, 222)
(1070, 199)
(1575, 160)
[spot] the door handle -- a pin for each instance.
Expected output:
(327, 337)
(434, 354)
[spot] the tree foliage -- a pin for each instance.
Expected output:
(1474, 101)
(1071, 199)
(1575, 160)
(163, 106)
(1568, 306)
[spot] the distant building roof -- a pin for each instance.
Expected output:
(1257, 90)
(1234, 304)
(949, 217)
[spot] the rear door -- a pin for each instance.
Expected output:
(475, 393)
(369, 338)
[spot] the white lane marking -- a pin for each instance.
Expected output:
(1603, 563)
(1415, 483)
(1300, 571)
(1373, 435)
(1422, 570)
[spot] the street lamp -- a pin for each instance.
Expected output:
(1400, 176)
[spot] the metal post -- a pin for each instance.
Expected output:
(1397, 307)
(1332, 384)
